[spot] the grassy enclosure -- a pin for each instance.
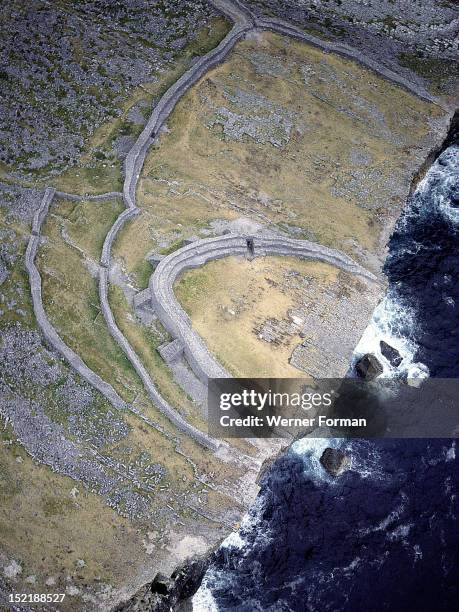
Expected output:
(229, 300)
(68, 264)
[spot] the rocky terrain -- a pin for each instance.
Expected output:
(67, 69)
(417, 38)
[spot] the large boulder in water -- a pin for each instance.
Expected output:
(334, 461)
(391, 354)
(368, 367)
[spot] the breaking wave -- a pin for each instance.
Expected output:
(418, 316)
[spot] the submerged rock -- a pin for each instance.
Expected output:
(391, 354)
(368, 367)
(334, 461)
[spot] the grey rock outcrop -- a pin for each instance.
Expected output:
(282, 27)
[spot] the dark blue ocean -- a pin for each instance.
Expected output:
(383, 535)
(423, 264)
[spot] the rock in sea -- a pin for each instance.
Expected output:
(334, 461)
(368, 367)
(391, 354)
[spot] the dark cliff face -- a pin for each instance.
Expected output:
(451, 138)
(383, 541)
(164, 594)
